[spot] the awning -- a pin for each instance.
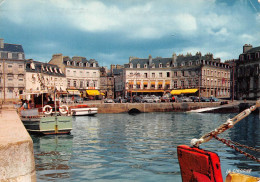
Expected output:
(153, 83)
(145, 83)
(92, 92)
(160, 83)
(147, 91)
(167, 83)
(189, 91)
(73, 92)
(138, 82)
(183, 91)
(176, 92)
(102, 93)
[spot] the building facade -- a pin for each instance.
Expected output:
(82, 75)
(247, 73)
(203, 74)
(44, 77)
(12, 71)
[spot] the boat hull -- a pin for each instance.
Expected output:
(91, 111)
(48, 125)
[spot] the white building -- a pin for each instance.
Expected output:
(82, 75)
(44, 77)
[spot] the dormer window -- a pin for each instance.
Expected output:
(32, 66)
(131, 65)
(153, 65)
(74, 63)
(145, 65)
(183, 64)
(94, 64)
(168, 65)
(190, 63)
(138, 65)
(43, 68)
(160, 65)
(51, 69)
(68, 63)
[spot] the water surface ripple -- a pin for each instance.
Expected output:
(122, 147)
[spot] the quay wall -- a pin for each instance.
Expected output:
(16, 148)
(153, 107)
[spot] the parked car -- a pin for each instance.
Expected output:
(166, 98)
(147, 99)
(204, 99)
(108, 101)
(213, 99)
(194, 98)
(155, 98)
(186, 99)
(137, 99)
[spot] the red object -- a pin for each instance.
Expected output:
(198, 165)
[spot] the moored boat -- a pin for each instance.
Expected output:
(197, 164)
(83, 110)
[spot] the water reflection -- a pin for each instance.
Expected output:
(122, 147)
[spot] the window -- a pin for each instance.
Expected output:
(74, 73)
(87, 73)
(20, 80)
(182, 84)
(175, 73)
(175, 85)
(153, 75)
(131, 74)
(138, 65)
(145, 66)
(68, 63)
(81, 84)
(10, 66)
(160, 65)
(94, 74)
(145, 75)
(168, 74)
(75, 83)
(20, 66)
(68, 83)
(160, 74)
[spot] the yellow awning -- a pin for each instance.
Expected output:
(160, 83)
(183, 91)
(145, 83)
(73, 92)
(138, 82)
(92, 92)
(176, 92)
(102, 94)
(153, 83)
(167, 82)
(189, 91)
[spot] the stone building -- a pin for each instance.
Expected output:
(247, 73)
(12, 72)
(82, 75)
(203, 75)
(106, 83)
(44, 77)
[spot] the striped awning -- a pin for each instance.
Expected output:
(183, 91)
(92, 92)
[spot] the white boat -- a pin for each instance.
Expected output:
(83, 110)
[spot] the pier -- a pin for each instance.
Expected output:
(16, 148)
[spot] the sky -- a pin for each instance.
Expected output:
(111, 31)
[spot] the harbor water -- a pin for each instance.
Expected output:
(143, 147)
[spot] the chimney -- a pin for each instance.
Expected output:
(174, 58)
(150, 60)
(247, 47)
(1, 43)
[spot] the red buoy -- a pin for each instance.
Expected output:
(198, 165)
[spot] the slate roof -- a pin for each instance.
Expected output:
(38, 68)
(12, 48)
(164, 61)
(79, 60)
(253, 50)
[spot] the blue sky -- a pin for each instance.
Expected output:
(111, 31)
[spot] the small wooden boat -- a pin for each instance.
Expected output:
(44, 123)
(201, 165)
(45, 119)
(83, 110)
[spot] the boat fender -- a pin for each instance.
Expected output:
(63, 109)
(47, 109)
